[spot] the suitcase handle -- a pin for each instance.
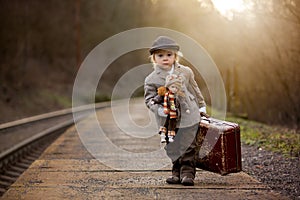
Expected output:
(203, 114)
(205, 118)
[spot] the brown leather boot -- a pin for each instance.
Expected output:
(173, 180)
(186, 181)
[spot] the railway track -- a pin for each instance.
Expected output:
(23, 141)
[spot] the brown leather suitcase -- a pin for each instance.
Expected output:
(219, 146)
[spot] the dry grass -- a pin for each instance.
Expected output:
(274, 138)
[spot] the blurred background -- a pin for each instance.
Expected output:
(254, 43)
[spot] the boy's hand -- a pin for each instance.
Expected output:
(202, 109)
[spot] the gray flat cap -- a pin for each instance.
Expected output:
(163, 42)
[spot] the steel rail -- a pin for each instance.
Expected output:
(11, 165)
(5, 157)
(54, 114)
(15, 160)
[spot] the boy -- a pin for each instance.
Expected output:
(182, 152)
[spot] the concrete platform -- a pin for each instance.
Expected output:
(67, 170)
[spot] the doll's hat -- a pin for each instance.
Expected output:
(174, 79)
(163, 42)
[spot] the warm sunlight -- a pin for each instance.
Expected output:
(226, 6)
(229, 7)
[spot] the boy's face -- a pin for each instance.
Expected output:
(173, 88)
(164, 58)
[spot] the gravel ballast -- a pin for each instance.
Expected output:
(279, 172)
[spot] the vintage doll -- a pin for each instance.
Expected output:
(173, 101)
(164, 55)
(158, 99)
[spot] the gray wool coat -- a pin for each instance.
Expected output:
(190, 88)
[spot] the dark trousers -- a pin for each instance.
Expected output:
(170, 123)
(182, 152)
